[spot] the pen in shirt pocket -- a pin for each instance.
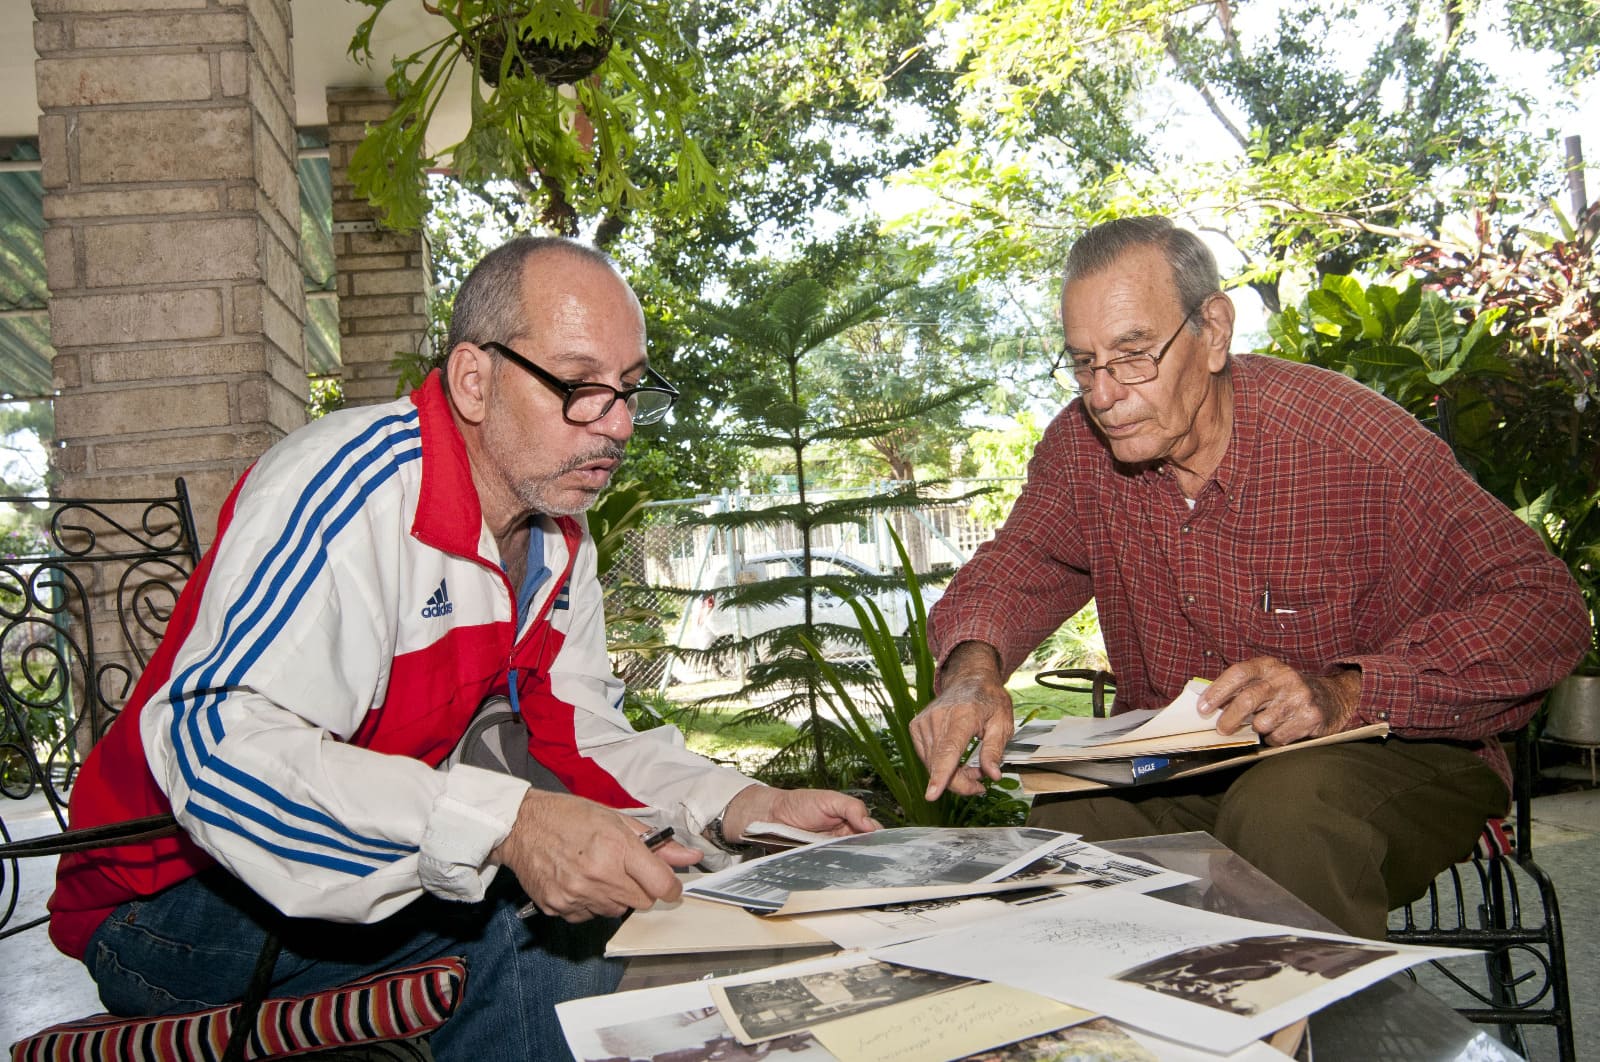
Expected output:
(652, 840)
(1269, 608)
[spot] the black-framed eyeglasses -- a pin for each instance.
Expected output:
(1139, 368)
(585, 403)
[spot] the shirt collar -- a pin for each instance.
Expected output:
(449, 516)
(1233, 473)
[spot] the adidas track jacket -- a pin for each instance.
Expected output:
(327, 655)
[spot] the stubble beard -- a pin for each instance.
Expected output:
(543, 494)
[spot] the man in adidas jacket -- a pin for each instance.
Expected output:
(376, 577)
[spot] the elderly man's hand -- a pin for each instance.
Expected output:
(972, 704)
(577, 859)
(814, 810)
(1280, 703)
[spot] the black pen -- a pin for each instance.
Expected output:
(652, 840)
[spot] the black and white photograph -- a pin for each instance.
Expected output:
(896, 858)
(1252, 974)
(695, 1036)
(762, 1010)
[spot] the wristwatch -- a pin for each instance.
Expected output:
(713, 833)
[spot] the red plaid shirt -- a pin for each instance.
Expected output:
(1336, 531)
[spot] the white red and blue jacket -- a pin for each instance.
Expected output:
(325, 658)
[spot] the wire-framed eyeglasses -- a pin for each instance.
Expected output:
(1076, 373)
(585, 403)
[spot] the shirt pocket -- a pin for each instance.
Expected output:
(1306, 622)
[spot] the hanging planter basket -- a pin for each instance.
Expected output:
(537, 57)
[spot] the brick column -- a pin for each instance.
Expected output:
(382, 274)
(172, 248)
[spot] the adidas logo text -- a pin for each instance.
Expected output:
(438, 604)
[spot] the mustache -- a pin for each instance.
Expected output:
(610, 452)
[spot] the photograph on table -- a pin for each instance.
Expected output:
(763, 1010)
(1109, 934)
(1099, 1040)
(1252, 974)
(874, 927)
(924, 859)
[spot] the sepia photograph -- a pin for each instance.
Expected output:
(761, 1010)
(1253, 974)
(1100, 1040)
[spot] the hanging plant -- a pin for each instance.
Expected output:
(561, 95)
(552, 63)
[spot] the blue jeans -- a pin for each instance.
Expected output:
(195, 946)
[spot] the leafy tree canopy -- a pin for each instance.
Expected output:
(1340, 122)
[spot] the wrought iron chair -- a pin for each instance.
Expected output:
(84, 599)
(1477, 903)
(85, 596)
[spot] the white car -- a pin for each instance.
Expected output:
(711, 618)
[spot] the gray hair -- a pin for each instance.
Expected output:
(489, 305)
(1194, 267)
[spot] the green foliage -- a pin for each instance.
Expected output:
(326, 395)
(1076, 643)
(1571, 530)
(1003, 454)
(634, 633)
(24, 427)
(927, 359)
(34, 678)
(1565, 28)
(1314, 137)
(773, 410)
(1408, 343)
(557, 91)
(879, 732)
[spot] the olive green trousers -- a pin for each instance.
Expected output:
(1353, 829)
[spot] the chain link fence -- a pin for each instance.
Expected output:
(667, 567)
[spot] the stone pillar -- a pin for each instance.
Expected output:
(382, 274)
(172, 245)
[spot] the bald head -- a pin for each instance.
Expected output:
(491, 303)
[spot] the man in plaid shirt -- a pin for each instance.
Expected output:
(1287, 533)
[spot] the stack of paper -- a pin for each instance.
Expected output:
(889, 866)
(716, 912)
(1141, 747)
(1086, 967)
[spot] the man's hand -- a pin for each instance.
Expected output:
(1280, 703)
(577, 859)
(972, 704)
(816, 810)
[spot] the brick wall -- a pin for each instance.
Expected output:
(172, 244)
(382, 274)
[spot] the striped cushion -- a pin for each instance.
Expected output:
(395, 1005)
(1497, 838)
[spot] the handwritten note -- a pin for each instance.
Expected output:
(950, 1025)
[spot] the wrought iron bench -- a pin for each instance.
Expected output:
(87, 587)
